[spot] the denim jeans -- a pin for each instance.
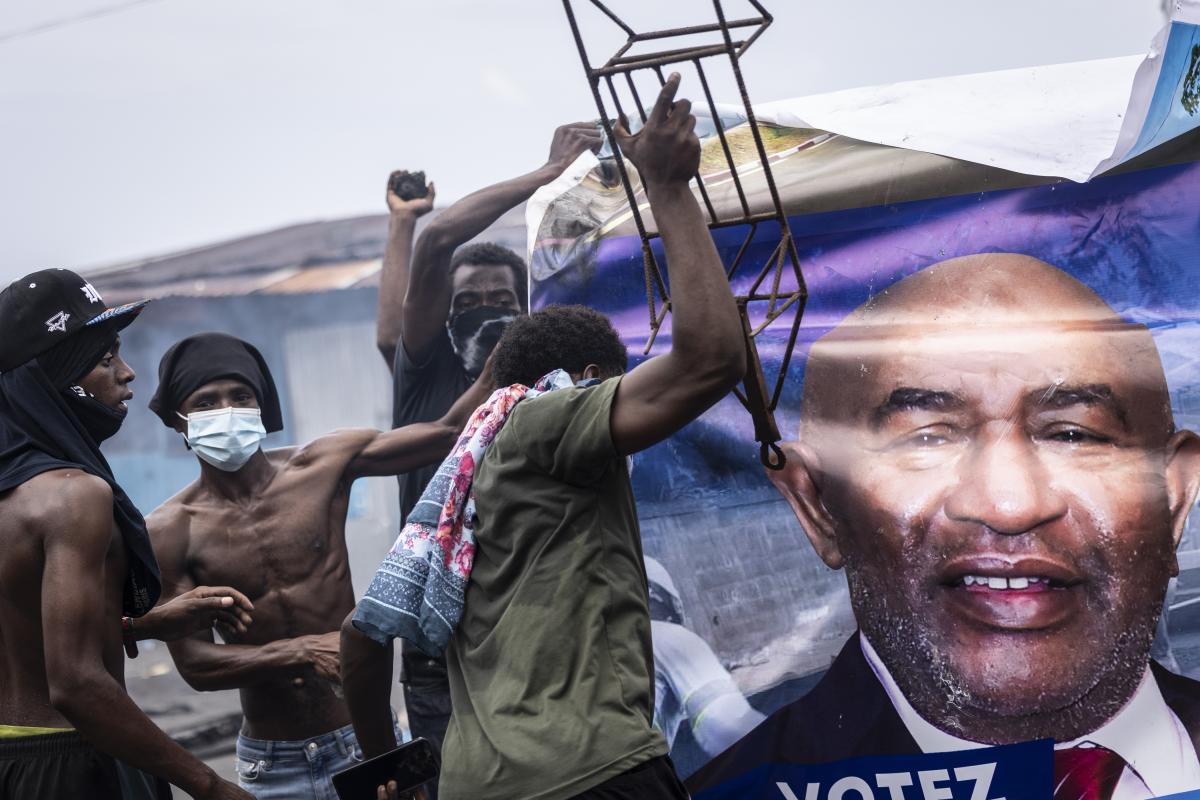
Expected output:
(299, 770)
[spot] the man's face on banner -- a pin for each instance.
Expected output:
(988, 450)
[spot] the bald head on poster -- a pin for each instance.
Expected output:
(988, 451)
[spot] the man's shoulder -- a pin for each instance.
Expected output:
(60, 494)
(173, 515)
(565, 433)
(333, 450)
(564, 403)
(57, 500)
(537, 418)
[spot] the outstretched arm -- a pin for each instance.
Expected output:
(393, 278)
(367, 683)
(707, 357)
(427, 299)
(413, 446)
(76, 627)
(197, 609)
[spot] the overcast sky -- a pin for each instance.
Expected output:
(176, 123)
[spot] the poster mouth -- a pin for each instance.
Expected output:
(1025, 594)
(1039, 606)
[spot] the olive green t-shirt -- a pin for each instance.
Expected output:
(551, 668)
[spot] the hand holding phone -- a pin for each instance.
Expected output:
(395, 775)
(390, 792)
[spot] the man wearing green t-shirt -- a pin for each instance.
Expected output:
(551, 667)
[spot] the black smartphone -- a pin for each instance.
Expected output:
(409, 765)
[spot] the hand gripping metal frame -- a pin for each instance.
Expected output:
(766, 291)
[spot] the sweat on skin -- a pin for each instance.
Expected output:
(988, 449)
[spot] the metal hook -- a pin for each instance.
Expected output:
(765, 453)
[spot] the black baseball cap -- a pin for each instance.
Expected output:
(45, 307)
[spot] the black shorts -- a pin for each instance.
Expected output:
(62, 766)
(654, 780)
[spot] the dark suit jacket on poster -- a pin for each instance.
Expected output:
(848, 714)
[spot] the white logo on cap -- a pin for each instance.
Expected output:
(58, 322)
(90, 293)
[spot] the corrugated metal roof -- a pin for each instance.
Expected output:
(313, 257)
(327, 278)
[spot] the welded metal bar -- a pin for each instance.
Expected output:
(750, 118)
(712, 212)
(637, 98)
(656, 325)
(767, 19)
(605, 10)
(766, 430)
(768, 265)
(649, 263)
(763, 298)
(766, 216)
(712, 108)
(753, 393)
(712, 27)
(612, 90)
(788, 350)
(737, 259)
(782, 253)
(792, 300)
(624, 63)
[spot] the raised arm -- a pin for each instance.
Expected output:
(208, 666)
(427, 299)
(412, 446)
(75, 628)
(393, 278)
(707, 357)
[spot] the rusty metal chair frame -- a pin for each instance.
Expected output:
(759, 399)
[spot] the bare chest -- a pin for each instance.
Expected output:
(286, 540)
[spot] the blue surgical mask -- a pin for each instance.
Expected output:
(225, 437)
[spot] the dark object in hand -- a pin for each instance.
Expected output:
(408, 185)
(410, 765)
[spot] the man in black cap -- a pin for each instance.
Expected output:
(77, 574)
(272, 523)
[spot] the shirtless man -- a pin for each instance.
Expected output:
(76, 568)
(272, 524)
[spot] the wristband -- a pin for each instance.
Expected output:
(128, 637)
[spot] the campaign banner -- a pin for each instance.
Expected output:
(986, 507)
(994, 773)
(1074, 120)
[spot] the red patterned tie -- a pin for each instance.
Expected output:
(1086, 773)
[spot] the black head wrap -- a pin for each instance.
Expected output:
(207, 357)
(40, 431)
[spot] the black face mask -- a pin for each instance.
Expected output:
(100, 421)
(475, 332)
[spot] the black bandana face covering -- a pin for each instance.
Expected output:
(98, 419)
(475, 332)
